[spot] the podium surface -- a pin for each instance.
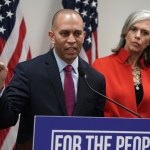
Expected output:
(91, 133)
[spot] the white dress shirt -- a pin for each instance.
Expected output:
(75, 75)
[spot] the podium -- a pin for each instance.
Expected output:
(91, 133)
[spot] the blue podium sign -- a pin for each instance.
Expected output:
(86, 133)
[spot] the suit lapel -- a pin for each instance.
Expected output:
(54, 77)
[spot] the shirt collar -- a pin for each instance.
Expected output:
(62, 64)
(123, 55)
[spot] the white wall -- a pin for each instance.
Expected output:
(112, 14)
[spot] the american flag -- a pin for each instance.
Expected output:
(14, 48)
(88, 10)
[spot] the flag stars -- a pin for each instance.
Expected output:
(93, 14)
(77, 10)
(85, 2)
(2, 30)
(7, 2)
(90, 17)
(89, 40)
(1, 18)
(90, 28)
(77, 1)
(96, 21)
(9, 14)
(84, 13)
(94, 4)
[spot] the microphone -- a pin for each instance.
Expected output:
(82, 74)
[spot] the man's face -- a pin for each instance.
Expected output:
(68, 36)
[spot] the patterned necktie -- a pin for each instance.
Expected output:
(69, 91)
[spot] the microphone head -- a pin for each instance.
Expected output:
(81, 72)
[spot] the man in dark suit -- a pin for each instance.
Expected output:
(37, 85)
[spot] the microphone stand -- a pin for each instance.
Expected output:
(118, 104)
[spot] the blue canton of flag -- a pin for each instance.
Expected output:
(7, 18)
(88, 10)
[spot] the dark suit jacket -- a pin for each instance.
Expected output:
(36, 89)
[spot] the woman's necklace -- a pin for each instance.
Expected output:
(136, 72)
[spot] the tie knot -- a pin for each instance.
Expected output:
(68, 68)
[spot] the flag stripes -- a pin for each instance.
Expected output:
(14, 48)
